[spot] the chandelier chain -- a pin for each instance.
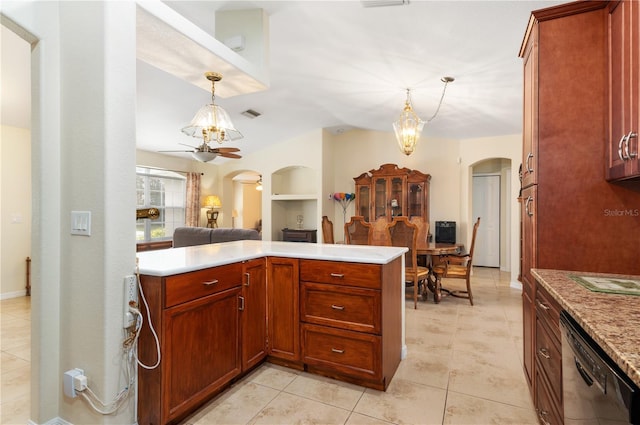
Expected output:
(439, 103)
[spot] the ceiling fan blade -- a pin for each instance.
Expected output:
(176, 151)
(230, 155)
(225, 150)
(184, 144)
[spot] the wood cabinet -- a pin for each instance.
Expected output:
(548, 359)
(283, 315)
(299, 235)
(350, 316)
(623, 42)
(392, 191)
(196, 317)
(254, 312)
(567, 202)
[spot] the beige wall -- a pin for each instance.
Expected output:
(15, 209)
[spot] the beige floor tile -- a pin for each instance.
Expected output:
(14, 412)
(404, 402)
(14, 383)
(238, 405)
(464, 409)
(326, 390)
(291, 409)
(274, 376)
(428, 368)
(359, 419)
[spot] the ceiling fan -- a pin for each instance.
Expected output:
(205, 153)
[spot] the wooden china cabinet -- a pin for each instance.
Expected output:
(392, 191)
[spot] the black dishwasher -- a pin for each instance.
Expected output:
(594, 388)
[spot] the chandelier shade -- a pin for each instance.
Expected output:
(212, 122)
(408, 127)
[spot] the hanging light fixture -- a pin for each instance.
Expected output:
(259, 183)
(409, 126)
(211, 122)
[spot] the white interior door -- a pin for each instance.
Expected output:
(486, 205)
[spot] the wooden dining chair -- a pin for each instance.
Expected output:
(401, 232)
(357, 231)
(457, 266)
(327, 230)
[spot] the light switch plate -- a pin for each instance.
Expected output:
(81, 223)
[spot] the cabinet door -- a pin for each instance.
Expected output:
(201, 350)
(528, 335)
(624, 94)
(530, 127)
(380, 199)
(254, 312)
(363, 202)
(283, 321)
(529, 229)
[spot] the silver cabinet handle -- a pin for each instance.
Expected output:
(542, 414)
(339, 275)
(621, 154)
(526, 206)
(210, 282)
(543, 306)
(530, 156)
(335, 350)
(248, 275)
(544, 353)
(631, 135)
(241, 307)
(337, 307)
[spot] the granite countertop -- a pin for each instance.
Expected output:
(612, 320)
(166, 262)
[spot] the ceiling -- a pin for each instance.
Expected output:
(339, 65)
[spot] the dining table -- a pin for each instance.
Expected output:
(429, 250)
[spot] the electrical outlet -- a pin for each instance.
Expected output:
(130, 297)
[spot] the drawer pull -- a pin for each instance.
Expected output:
(241, 306)
(248, 275)
(338, 275)
(337, 307)
(210, 282)
(543, 306)
(542, 414)
(544, 353)
(335, 350)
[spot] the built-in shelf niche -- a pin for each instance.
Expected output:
(293, 194)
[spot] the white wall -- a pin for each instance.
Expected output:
(15, 209)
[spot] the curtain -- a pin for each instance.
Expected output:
(192, 209)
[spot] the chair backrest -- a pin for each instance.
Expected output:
(401, 232)
(357, 231)
(327, 230)
(380, 236)
(423, 231)
(473, 241)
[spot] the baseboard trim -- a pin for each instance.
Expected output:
(15, 294)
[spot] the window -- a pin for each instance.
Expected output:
(166, 191)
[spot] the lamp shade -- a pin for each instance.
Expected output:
(212, 201)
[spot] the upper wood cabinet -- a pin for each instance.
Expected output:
(392, 191)
(623, 158)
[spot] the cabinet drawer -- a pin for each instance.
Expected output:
(352, 353)
(549, 358)
(548, 310)
(356, 309)
(193, 285)
(341, 273)
(546, 409)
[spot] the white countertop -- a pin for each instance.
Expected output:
(166, 262)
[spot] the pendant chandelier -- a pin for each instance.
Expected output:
(211, 122)
(409, 126)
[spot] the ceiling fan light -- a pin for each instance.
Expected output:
(210, 123)
(204, 156)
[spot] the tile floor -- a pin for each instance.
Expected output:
(464, 366)
(15, 364)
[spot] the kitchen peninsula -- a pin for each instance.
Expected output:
(219, 310)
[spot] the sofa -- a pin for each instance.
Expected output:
(189, 236)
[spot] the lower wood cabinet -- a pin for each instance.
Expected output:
(548, 355)
(197, 321)
(254, 312)
(351, 320)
